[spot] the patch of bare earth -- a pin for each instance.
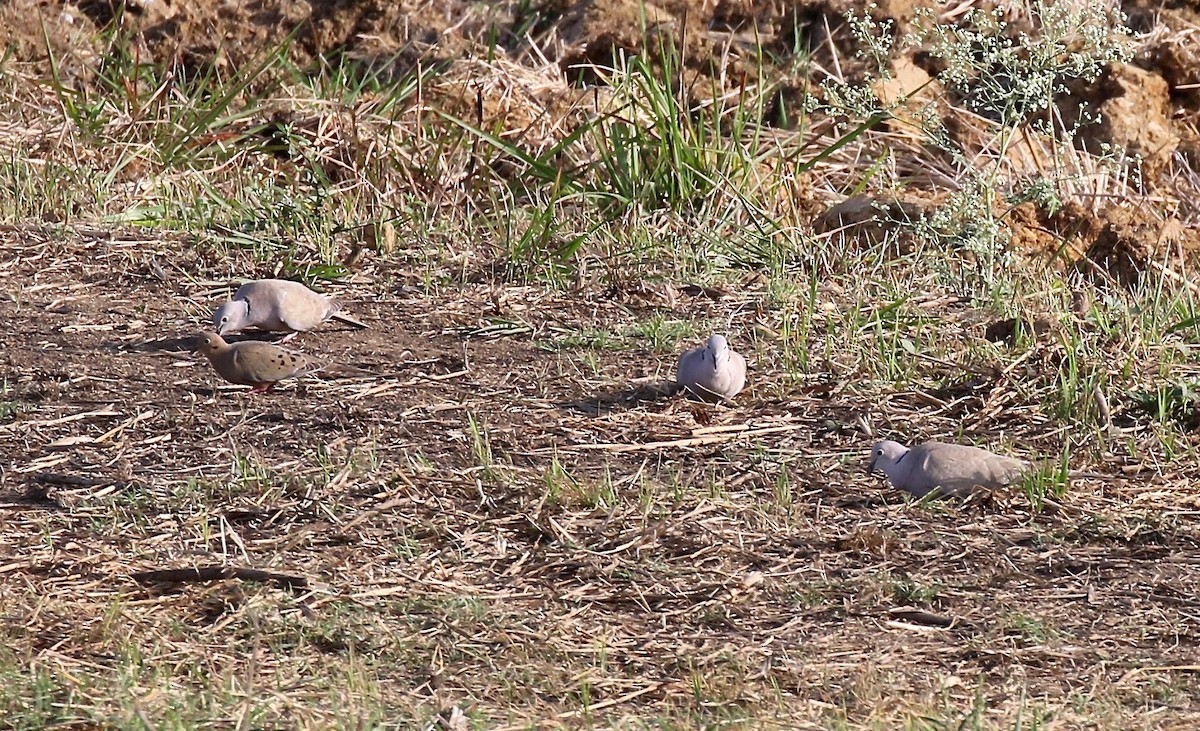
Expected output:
(539, 534)
(494, 526)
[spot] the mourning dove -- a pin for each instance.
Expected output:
(253, 363)
(278, 305)
(713, 370)
(950, 469)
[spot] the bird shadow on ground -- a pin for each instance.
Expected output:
(187, 343)
(183, 344)
(34, 496)
(861, 500)
(629, 398)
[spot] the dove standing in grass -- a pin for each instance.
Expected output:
(278, 305)
(253, 363)
(950, 469)
(712, 371)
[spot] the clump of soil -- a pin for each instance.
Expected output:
(70, 33)
(1118, 245)
(1170, 46)
(230, 35)
(1131, 243)
(602, 33)
(1134, 109)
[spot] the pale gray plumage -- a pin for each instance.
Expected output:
(278, 305)
(713, 370)
(948, 469)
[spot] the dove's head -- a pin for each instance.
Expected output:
(209, 343)
(718, 347)
(886, 455)
(231, 316)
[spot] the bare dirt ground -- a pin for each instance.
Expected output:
(498, 525)
(699, 583)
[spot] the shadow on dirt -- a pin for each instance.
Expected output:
(630, 398)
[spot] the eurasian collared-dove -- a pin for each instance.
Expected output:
(950, 469)
(253, 363)
(713, 370)
(278, 305)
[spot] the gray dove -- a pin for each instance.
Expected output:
(713, 371)
(278, 305)
(948, 469)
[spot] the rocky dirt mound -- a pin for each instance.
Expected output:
(1147, 109)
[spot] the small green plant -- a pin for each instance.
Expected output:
(30, 694)
(1031, 629)
(251, 477)
(558, 481)
(564, 489)
(907, 591)
(661, 333)
(10, 409)
(903, 589)
(481, 444)
(783, 489)
(1048, 480)
(1178, 403)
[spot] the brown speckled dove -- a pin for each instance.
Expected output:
(253, 363)
(950, 469)
(713, 371)
(278, 305)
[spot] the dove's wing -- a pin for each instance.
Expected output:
(289, 305)
(694, 370)
(731, 378)
(343, 317)
(253, 363)
(281, 304)
(956, 469)
(301, 309)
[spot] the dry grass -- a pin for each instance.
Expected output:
(528, 540)
(519, 524)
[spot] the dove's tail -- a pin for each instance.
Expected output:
(1085, 475)
(1053, 468)
(342, 370)
(343, 317)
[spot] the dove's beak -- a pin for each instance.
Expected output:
(871, 465)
